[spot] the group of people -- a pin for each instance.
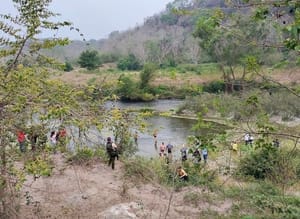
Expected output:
(35, 138)
(197, 154)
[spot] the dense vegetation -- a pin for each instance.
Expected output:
(236, 49)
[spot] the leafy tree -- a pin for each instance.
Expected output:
(129, 62)
(29, 97)
(230, 42)
(147, 74)
(285, 13)
(127, 88)
(89, 59)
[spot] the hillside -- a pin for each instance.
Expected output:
(98, 192)
(166, 32)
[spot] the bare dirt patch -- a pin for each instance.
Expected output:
(99, 192)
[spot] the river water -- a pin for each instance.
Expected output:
(169, 129)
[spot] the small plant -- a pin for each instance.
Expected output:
(39, 166)
(82, 156)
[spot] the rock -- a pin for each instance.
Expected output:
(120, 211)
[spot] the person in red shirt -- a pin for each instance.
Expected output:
(21, 139)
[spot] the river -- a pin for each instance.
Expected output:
(169, 129)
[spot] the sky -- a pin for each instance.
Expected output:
(96, 19)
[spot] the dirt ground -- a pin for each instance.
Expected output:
(98, 192)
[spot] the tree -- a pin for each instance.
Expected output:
(285, 13)
(147, 74)
(89, 59)
(231, 42)
(129, 62)
(29, 97)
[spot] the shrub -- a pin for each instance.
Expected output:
(89, 59)
(127, 88)
(145, 170)
(68, 67)
(277, 165)
(258, 164)
(129, 62)
(39, 167)
(83, 155)
(214, 87)
(147, 74)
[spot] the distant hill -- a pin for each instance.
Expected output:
(164, 36)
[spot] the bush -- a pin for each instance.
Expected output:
(68, 67)
(129, 62)
(127, 89)
(145, 170)
(147, 74)
(214, 87)
(258, 164)
(109, 57)
(39, 167)
(89, 59)
(86, 156)
(277, 165)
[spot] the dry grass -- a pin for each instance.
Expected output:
(82, 77)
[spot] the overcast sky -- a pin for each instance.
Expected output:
(97, 18)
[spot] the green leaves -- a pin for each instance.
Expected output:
(89, 59)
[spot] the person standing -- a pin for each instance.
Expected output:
(169, 150)
(21, 136)
(162, 149)
(155, 139)
(197, 155)
(205, 154)
(183, 151)
(53, 140)
(111, 152)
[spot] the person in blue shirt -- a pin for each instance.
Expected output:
(205, 154)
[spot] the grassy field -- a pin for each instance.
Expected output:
(179, 76)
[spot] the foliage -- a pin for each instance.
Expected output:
(214, 87)
(127, 88)
(68, 67)
(227, 39)
(287, 12)
(262, 200)
(29, 96)
(169, 18)
(87, 155)
(144, 170)
(274, 100)
(39, 166)
(157, 170)
(147, 74)
(129, 62)
(89, 59)
(109, 57)
(122, 123)
(277, 165)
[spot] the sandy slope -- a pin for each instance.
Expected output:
(99, 192)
